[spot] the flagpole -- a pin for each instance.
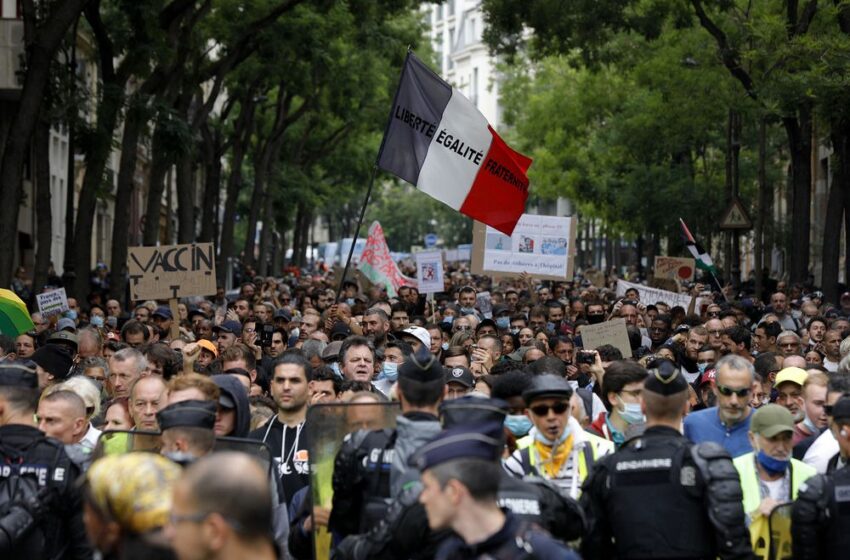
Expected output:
(357, 230)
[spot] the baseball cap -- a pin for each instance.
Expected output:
(65, 338)
(487, 323)
(66, 324)
(340, 329)
(547, 385)
(708, 376)
(500, 308)
(282, 314)
(232, 327)
(208, 345)
(792, 374)
(420, 334)
(162, 311)
(331, 351)
(771, 420)
(193, 311)
(460, 374)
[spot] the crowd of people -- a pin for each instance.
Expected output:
(470, 427)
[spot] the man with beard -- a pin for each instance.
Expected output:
(376, 325)
(284, 433)
(595, 312)
(697, 338)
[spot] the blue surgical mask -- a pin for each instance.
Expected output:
(514, 331)
(97, 321)
(71, 314)
(444, 346)
(449, 319)
(631, 412)
(772, 465)
(467, 311)
(807, 422)
(389, 371)
(503, 322)
(538, 435)
(702, 368)
(550, 326)
(518, 424)
(350, 301)
(335, 367)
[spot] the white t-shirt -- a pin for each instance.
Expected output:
(822, 450)
(830, 366)
(775, 489)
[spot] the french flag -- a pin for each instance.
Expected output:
(437, 140)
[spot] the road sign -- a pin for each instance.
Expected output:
(431, 240)
(735, 217)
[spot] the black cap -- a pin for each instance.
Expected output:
(422, 367)
(196, 311)
(17, 375)
(232, 327)
(841, 409)
(547, 386)
(282, 314)
(460, 374)
(472, 409)
(665, 378)
(464, 442)
(500, 308)
(54, 359)
(340, 329)
(487, 323)
(188, 414)
(64, 337)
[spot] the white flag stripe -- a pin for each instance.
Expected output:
(446, 174)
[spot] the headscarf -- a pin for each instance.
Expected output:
(135, 489)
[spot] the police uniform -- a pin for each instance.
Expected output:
(371, 467)
(660, 496)
(40, 506)
(820, 517)
(404, 533)
(516, 538)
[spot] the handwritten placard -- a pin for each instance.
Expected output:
(650, 296)
(676, 268)
(171, 271)
(611, 332)
(52, 303)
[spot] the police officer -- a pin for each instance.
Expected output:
(187, 430)
(460, 484)
(372, 466)
(820, 518)
(404, 533)
(30, 460)
(660, 495)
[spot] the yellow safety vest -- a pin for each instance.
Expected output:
(598, 446)
(761, 527)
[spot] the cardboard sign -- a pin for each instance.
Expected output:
(171, 271)
(543, 246)
(674, 267)
(611, 332)
(54, 302)
(429, 272)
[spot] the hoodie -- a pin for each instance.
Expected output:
(237, 392)
(413, 430)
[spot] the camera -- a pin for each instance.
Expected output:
(266, 334)
(585, 357)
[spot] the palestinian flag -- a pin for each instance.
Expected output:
(437, 140)
(702, 258)
(378, 266)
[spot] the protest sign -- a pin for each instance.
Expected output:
(542, 246)
(171, 271)
(650, 296)
(484, 304)
(611, 332)
(451, 255)
(464, 252)
(52, 303)
(429, 272)
(674, 267)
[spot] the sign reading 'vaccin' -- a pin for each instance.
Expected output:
(171, 271)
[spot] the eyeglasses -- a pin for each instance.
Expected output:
(713, 314)
(717, 332)
(729, 391)
(543, 409)
(463, 328)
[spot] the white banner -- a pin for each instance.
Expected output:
(649, 296)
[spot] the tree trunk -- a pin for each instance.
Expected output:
(43, 212)
(212, 185)
(160, 164)
(185, 199)
(257, 200)
(799, 131)
(241, 138)
(133, 126)
(45, 41)
(761, 212)
(298, 235)
(266, 236)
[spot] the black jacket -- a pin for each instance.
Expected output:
(62, 535)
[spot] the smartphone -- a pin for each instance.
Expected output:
(266, 334)
(585, 357)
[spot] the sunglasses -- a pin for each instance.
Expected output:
(729, 391)
(543, 409)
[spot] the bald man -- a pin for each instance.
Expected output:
(222, 508)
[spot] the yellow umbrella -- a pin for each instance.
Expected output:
(14, 315)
